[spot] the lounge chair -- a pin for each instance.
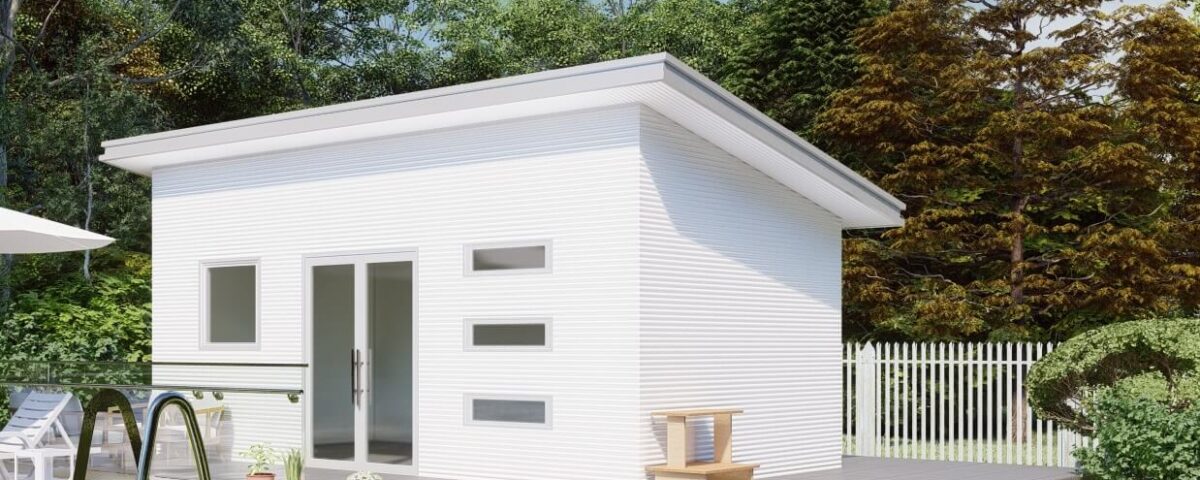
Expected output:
(36, 433)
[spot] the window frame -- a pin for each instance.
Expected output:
(469, 259)
(469, 324)
(469, 410)
(206, 344)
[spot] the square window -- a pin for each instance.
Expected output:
(230, 305)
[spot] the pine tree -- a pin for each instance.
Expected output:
(796, 54)
(1038, 204)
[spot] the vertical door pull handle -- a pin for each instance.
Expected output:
(353, 377)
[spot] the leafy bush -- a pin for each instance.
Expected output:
(107, 319)
(1141, 438)
(73, 320)
(1153, 359)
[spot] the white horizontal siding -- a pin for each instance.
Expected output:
(568, 178)
(740, 304)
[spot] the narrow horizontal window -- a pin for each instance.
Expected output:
(518, 411)
(230, 305)
(504, 334)
(508, 258)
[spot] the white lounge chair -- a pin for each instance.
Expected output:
(36, 433)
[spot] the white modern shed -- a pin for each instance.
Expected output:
(501, 280)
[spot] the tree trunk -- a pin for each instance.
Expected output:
(1017, 225)
(8, 51)
(87, 215)
(89, 200)
(1017, 252)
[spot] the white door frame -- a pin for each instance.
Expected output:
(359, 260)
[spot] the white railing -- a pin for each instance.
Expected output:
(948, 401)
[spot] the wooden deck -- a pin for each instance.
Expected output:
(868, 468)
(854, 468)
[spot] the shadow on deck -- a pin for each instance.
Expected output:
(869, 468)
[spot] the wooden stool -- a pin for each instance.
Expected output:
(720, 468)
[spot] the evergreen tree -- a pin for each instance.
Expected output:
(1040, 201)
(796, 54)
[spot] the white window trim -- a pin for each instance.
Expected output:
(469, 410)
(205, 344)
(469, 260)
(469, 324)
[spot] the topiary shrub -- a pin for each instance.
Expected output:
(1141, 438)
(1156, 360)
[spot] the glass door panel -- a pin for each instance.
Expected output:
(362, 362)
(390, 365)
(333, 322)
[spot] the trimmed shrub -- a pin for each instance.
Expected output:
(1141, 438)
(1156, 360)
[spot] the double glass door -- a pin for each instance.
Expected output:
(362, 337)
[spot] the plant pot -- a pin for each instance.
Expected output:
(261, 476)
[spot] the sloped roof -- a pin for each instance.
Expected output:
(660, 82)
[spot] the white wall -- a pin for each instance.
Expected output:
(740, 304)
(568, 178)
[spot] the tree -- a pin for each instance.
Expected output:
(494, 39)
(76, 73)
(797, 53)
(1037, 205)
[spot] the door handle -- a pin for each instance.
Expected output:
(354, 376)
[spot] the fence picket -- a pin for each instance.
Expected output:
(925, 400)
(1041, 424)
(908, 408)
(971, 394)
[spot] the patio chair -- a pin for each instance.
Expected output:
(36, 433)
(172, 433)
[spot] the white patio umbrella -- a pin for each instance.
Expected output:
(22, 233)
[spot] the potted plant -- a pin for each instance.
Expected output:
(364, 476)
(293, 465)
(262, 458)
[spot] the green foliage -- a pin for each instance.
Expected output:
(107, 319)
(262, 458)
(492, 39)
(293, 464)
(1157, 360)
(1141, 438)
(796, 55)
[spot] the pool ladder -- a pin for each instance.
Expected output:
(143, 448)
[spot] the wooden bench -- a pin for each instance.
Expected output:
(720, 468)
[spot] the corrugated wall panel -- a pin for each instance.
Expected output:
(568, 178)
(740, 304)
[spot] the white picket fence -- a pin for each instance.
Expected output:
(948, 401)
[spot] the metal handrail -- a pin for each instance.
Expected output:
(48, 374)
(291, 393)
(143, 448)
